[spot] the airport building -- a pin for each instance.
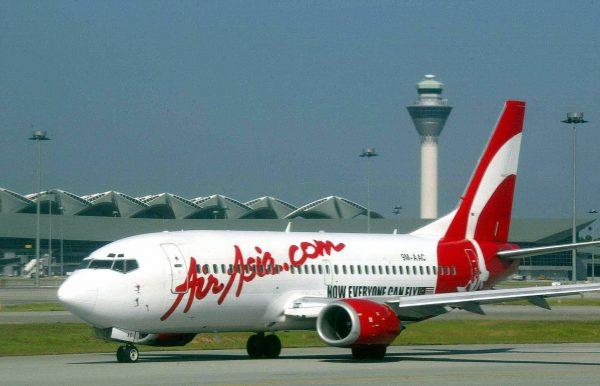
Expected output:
(72, 226)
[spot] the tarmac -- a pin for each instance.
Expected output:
(564, 364)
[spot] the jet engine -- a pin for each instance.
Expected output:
(357, 322)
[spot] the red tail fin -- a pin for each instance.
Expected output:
(484, 211)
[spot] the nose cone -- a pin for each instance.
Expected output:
(79, 296)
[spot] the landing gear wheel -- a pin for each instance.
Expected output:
(121, 354)
(255, 346)
(360, 352)
(369, 352)
(127, 354)
(272, 346)
(377, 352)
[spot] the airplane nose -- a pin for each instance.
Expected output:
(78, 296)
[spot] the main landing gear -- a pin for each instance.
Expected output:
(128, 354)
(374, 351)
(261, 346)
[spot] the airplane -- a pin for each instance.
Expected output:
(358, 291)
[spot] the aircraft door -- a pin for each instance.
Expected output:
(178, 267)
(475, 272)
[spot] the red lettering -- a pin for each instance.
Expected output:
(243, 272)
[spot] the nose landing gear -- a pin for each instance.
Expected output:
(261, 346)
(127, 354)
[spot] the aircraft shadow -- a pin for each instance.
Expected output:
(422, 355)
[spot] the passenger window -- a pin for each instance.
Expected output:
(394, 269)
(327, 268)
(373, 270)
(261, 269)
(335, 269)
(215, 268)
(344, 270)
(434, 270)
(428, 271)
(359, 269)
(306, 269)
(119, 266)
(380, 270)
(320, 269)
(387, 270)
(352, 269)
(223, 269)
(101, 264)
(400, 270)
(453, 269)
(313, 270)
(366, 269)
(414, 269)
(407, 270)
(421, 269)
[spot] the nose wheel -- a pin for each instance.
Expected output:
(261, 346)
(128, 354)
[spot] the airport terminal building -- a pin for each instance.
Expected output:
(72, 226)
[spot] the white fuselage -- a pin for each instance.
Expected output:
(153, 298)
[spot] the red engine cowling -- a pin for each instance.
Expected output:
(356, 322)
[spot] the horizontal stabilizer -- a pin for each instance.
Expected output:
(515, 254)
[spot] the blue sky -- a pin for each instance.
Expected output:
(278, 98)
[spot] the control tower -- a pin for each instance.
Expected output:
(429, 114)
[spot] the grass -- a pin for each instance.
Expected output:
(32, 307)
(63, 338)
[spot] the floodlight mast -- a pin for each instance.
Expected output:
(367, 153)
(574, 118)
(38, 136)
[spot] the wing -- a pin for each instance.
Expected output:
(515, 254)
(415, 308)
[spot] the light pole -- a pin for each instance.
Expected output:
(574, 118)
(62, 240)
(38, 136)
(593, 211)
(49, 238)
(367, 153)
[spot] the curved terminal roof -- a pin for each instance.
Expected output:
(113, 204)
(269, 207)
(60, 202)
(331, 207)
(218, 206)
(11, 202)
(168, 205)
(171, 206)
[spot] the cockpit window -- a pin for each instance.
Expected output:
(100, 264)
(119, 266)
(131, 265)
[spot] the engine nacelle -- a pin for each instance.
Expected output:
(159, 340)
(357, 322)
